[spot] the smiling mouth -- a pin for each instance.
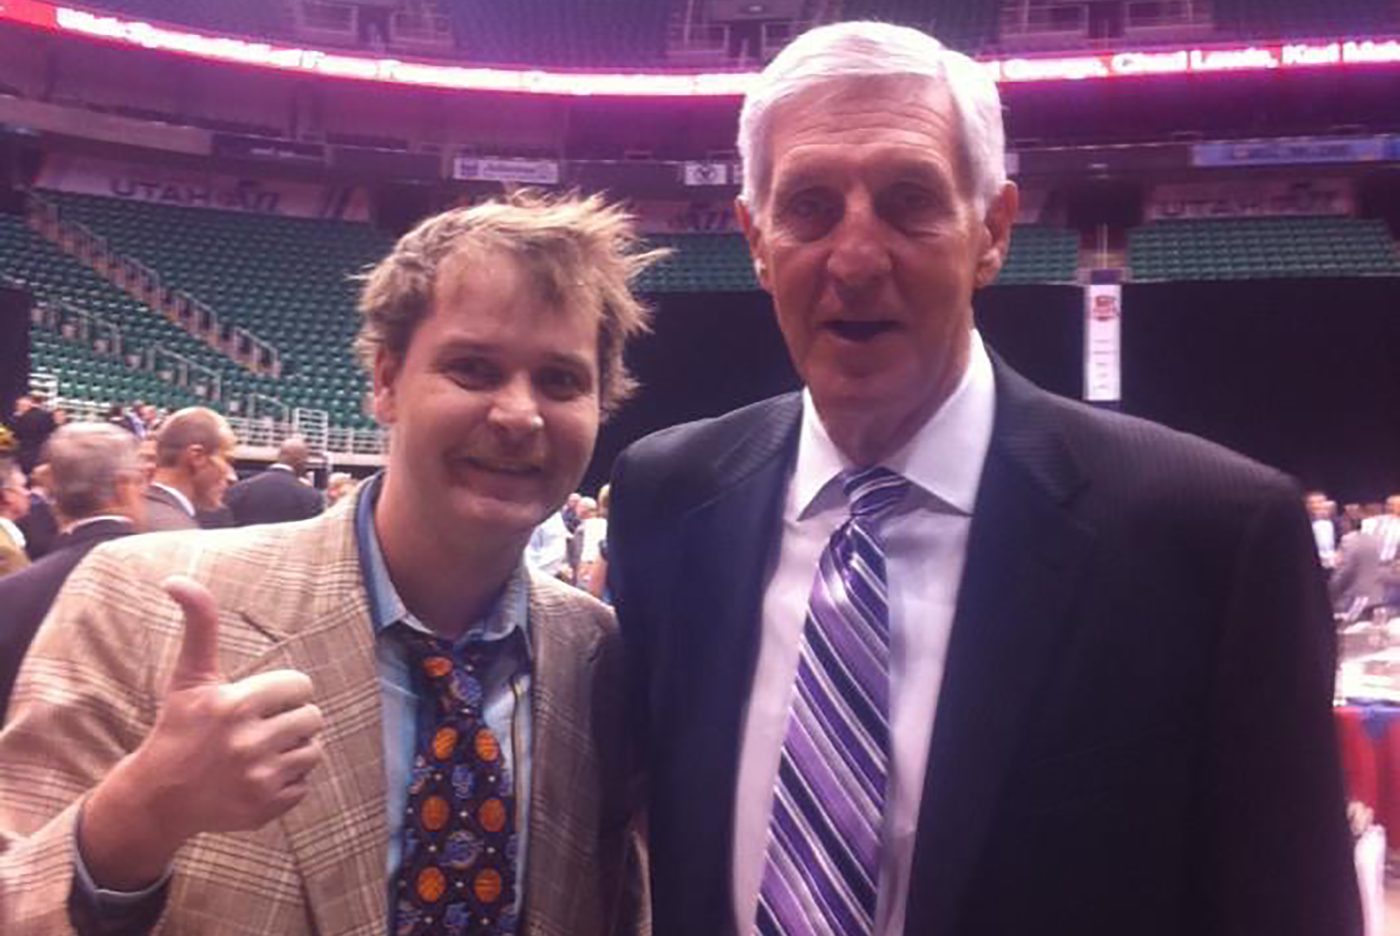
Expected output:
(514, 469)
(860, 330)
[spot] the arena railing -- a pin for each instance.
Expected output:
(252, 433)
(241, 345)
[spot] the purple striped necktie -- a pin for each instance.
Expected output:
(821, 872)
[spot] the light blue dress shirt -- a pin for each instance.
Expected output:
(505, 683)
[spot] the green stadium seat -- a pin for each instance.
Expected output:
(1262, 248)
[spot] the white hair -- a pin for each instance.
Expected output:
(867, 49)
(86, 462)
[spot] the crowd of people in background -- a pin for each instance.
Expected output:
(572, 544)
(1359, 546)
(57, 478)
(193, 484)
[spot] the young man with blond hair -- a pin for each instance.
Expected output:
(377, 720)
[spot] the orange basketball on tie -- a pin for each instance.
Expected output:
(437, 666)
(487, 749)
(434, 813)
(444, 743)
(492, 815)
(487, 886)
(431, 884)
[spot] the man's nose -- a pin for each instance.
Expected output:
(514, 408)
(859, 256)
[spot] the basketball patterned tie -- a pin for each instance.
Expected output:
(457, 875)
(822, 866)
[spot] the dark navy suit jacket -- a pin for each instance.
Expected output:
(26, 595)
(272, 496)
(1134, 730)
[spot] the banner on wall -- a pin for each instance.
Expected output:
(1103, 349)
(1244, 198)
(1291, 151)
(711, 173)
(712, 216)
(493, 169)
(167, 185)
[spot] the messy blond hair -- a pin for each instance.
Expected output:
(568, 245)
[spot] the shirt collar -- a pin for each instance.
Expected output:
(98, 518)
(944, 458)
(177, 494)
(14, 532)
(510, 612)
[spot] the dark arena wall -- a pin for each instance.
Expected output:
(15, 304)
(1299, 374)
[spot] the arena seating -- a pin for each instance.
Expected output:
(1261, 248)
(87, 375)
(720, 262)
(1304, 18)
(245, 17)
(1041, 255)
(287, 280)
(600, 33)
(701, 263)
(54, 276)
(962, 24)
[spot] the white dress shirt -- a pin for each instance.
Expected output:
(925, 548)
(13, 531)
(548, 549)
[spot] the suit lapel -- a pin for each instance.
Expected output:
(1025, 554)
(338, 835)
(726, 544)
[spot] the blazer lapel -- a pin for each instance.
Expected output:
(563, 855)
(1025, 554)
(315, 602)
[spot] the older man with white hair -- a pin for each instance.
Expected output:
(925, 649)
(97, 487)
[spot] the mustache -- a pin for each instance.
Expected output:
(511, 462)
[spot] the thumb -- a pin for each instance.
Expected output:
(198, 663)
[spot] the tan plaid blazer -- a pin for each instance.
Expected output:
(291, 596)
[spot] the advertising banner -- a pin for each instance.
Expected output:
(1245, 199)
(494, 169)
(1103, 348)
(189, 188)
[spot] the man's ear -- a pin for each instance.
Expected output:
(194, 457)
(996, 226)
(754, 235)
(385, 371)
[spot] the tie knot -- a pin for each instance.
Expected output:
(873, 491)
(452, 674)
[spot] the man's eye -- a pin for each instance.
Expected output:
(473, 372)
(911, 200)
(561, 383)
(809, 214)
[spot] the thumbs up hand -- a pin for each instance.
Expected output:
(222, 757)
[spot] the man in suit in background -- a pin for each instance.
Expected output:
(276, 495)
(39, 526)
(97, 487)
(194, 460)
(925, 649)
(33, 424)
(470, 776)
